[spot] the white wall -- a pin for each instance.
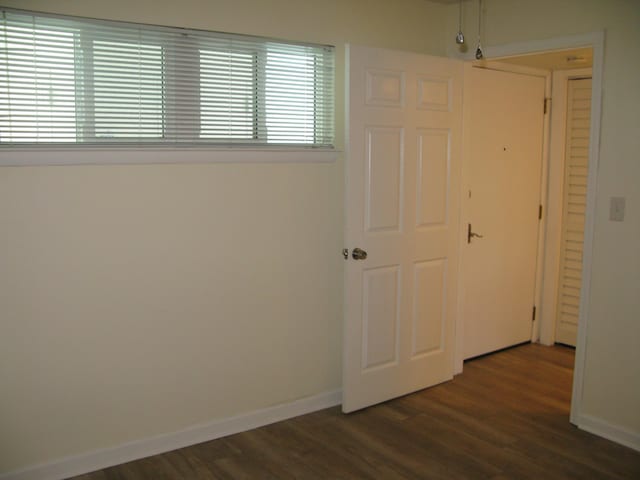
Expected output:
(612, 369)
(140, 300)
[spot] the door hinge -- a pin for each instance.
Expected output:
(547, 105)
(539, 212)
(533, 316)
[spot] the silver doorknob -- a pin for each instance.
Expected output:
(358, 254)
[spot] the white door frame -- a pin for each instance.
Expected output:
(555, 201)
(595, 40)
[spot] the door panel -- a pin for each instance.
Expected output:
(504, 135)
(380, 320)
(404, 121)
(428, 307)
(433, 177)
(383, 179)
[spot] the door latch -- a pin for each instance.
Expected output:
(471, 234)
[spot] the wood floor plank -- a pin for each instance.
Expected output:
(505, 417)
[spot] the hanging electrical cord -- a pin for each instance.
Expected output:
(460, 35)
(479, 54)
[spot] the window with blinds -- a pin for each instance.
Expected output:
(67, 80)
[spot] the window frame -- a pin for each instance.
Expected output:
(161, 155)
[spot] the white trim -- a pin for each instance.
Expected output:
(542, 46)
(597, 43)
(133, 156)
(458, 355)
(542, 223)
(97, 460)
(609, 431)
(508, 67)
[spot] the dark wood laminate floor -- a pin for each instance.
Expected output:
(505, 417)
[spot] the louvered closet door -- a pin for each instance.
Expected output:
(575, 201)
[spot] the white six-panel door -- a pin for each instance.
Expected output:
(403, 175)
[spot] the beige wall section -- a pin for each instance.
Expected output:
(612, 369)
(139, 300)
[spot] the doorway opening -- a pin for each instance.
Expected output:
(387, 91)
(562, 187)
(562, 60)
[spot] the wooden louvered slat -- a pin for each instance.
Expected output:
(581, 122)
(574, 238)
(580, 180)
(578, 154)
(577, 190)
(580, 133)
(581, 104)
(580, 141)
(581, 209)
(574, 208)
(568, 319)
(572, 292)
(573, 255)
(581, 93)
(576, 199)
(575, 225)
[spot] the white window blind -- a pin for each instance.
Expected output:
(90, 82)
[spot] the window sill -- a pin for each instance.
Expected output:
(136, 156)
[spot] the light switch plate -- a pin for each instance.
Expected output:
(616, 209)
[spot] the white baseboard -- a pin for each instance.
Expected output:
(97, 460)
(609, 431)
